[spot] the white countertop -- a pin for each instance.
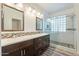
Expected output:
(8, 41)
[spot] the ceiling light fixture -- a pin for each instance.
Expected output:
(30, 9)
(34, 11)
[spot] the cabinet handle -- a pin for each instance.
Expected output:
(21, 53)
(24, 52)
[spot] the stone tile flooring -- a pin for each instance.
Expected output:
(51, 51)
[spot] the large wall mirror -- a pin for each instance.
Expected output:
(12, 19)
(39, 23)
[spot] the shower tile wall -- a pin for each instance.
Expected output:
(65, 38)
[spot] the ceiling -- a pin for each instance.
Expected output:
(54, 7)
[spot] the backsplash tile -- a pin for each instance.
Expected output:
(12, 35)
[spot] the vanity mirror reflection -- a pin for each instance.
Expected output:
(39, 23)
(12, 19)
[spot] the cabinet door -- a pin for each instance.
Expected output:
(13, 53)
(46, 40)
(28, 50)
(38, 45)
(41, 44)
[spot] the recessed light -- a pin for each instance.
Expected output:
(30, 9)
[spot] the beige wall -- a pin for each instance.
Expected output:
(64, 12)
(30, 20)
(76, 11)
(30, 23)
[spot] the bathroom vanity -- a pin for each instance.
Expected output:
(29, 45)
(21, 44)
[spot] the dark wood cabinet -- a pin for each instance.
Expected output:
(33, 47)
(28, 50)
(41, 44)
(18, 49)
(15, 53)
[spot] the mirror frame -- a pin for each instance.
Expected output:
(2, 18)
(41, 23)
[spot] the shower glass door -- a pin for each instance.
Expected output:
(62, 31)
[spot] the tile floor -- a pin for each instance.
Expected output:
(51, 51)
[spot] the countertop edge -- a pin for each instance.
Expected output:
(9, 43)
